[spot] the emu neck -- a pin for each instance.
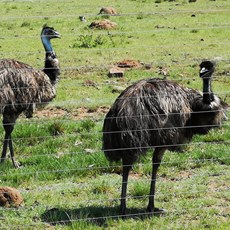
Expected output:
(47, 46)
(208, 96)
(51, 69)
(46, 43)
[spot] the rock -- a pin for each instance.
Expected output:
(116, 72)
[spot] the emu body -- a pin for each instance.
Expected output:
(23, 87)
(160, 115)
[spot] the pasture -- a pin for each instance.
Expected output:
(64, 177)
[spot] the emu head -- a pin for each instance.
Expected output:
(206, 70)
(211, 111)
(49, 32)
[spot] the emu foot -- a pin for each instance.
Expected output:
(123, 213)
(17, 164)
(156, 211)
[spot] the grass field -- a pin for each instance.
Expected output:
(65, 179)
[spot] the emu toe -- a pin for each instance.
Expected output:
(16, 164)
(156, 211)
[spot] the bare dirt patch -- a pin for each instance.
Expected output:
(129, 64)
(78, 114)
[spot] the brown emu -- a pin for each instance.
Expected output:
(108, 10)
(22, 87)
(158, 114)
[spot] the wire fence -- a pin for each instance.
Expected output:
(61, 211)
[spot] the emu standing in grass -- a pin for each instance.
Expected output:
(22, 87)
(158, 114)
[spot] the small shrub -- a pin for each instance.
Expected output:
(86, 41)
(89, 41)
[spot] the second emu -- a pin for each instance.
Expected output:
(158, 114)
(23, 87)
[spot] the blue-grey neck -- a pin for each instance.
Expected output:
(46, 43)
(48, 47)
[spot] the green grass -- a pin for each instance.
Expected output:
(65, 179)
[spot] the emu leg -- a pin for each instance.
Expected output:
(15, 163)
(126, 169)
(8, 125)
(4, 148)
(156, 160)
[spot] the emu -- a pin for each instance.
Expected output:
(23, 87)
(158, 114)
(108, 10)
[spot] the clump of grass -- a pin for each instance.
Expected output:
(140, 189)
(194, 31)
(56, 129)
(140, 16)
(25, 24)
(105, 16)
(14, 7)
(86, 125)
(102, 188)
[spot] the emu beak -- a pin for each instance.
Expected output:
(203, 70)
(56, 35)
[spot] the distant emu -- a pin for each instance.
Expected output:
(108, 10)
(22, 87)
(158, 114)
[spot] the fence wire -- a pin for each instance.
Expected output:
(191, 190)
